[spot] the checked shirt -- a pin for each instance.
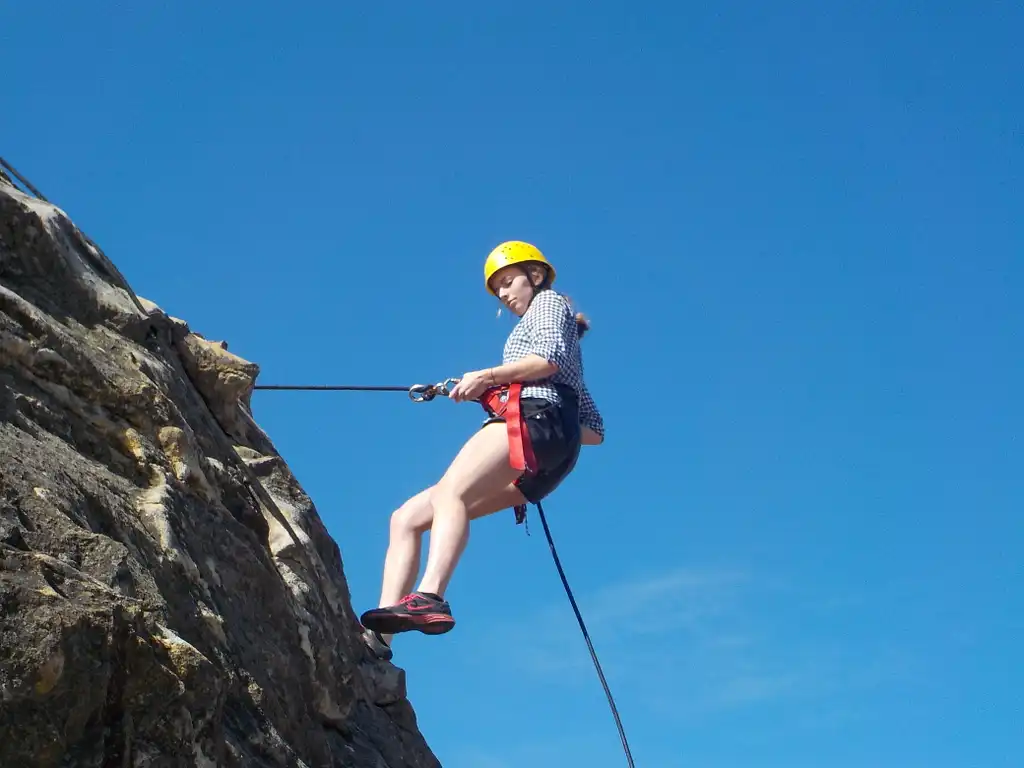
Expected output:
(548, 329)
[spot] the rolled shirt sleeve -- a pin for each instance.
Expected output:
(551, 325)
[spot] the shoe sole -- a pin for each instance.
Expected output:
(436, 624)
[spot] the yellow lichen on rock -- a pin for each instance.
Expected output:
(132, 442)
(184, 657)
(183, 456)
(178, 452)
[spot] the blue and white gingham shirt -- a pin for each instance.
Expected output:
(548, 329)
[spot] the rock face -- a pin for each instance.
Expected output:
(168, 593)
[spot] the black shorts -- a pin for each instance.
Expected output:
(555, 438)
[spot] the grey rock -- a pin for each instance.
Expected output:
(169, 595)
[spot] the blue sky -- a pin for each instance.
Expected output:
(797, 232)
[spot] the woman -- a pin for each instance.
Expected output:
(540, 415)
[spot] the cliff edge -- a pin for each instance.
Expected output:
(168, 593)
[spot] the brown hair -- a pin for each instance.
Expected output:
(533, 269)
(582, 324)
(582, 321)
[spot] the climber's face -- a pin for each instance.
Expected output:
(514, 287)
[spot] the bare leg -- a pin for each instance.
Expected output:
(402, 562)
(408, 524)
(480, 470)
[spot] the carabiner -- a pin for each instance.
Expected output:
(445, 387)
(421, 393)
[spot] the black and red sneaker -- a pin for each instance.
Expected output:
(419, 611)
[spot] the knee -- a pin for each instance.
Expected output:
(402, 522)
(446, 493)
(413, 517)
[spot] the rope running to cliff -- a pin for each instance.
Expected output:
(331, 388)
(23, 180)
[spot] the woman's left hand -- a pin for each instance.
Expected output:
(471, 386)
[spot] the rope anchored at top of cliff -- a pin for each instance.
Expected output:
(28, 184)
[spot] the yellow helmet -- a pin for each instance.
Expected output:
(514, 252)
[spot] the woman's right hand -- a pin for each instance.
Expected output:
(471, 386)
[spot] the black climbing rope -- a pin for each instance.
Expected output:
(23, 180)
(331, 387)
(586, 636)
(418, 392)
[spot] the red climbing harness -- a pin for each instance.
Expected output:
(504, 402)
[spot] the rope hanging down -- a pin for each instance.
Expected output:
(586, 636)
(425, 392)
